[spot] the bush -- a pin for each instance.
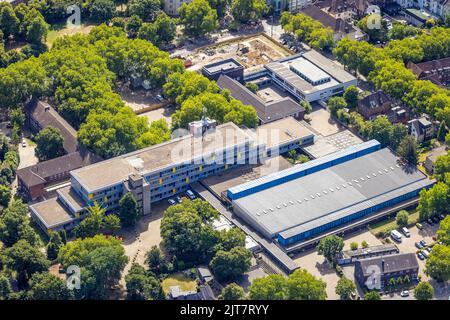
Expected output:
(354, 245)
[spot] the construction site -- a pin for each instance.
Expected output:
(252, 52)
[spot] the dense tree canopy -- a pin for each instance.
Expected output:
(330, 246)
(423, 291)
(198, 18)
(49, 144)
(308, 30)
(46, 286)
(147, 10)
(246, 11)
(438, 264)
(228, 265)
(232, 292)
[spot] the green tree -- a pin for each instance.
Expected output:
(187, 233)
(252, 87)
(5, 195)
(9, 23)
(221, 6)
(147, 10)
(92, 224)
(198, 18)
(17, 117)
(438, 264)
(272, 287)
(37, 30)
(372, 295)
(232, 292)
(128, 210)
(301, 285)
(335, 104)
(354, 245)
(424, 291)
(133, 25)
(101, 10)
(245, 11)
(443, 233)
(160, 32)
(15, 225)
(442, 132)
(375, 34)
(402, 218)
(50, 144)
(155, 260)
(110, 223)
(434, 201)
(142, 286)
(46, 286)
(25, 260)
(228, 265)
(344, 288)
(351, 95)
(101, 259)
(364, 244)
(5, 287)
(330, 246)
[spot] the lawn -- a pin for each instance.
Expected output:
(179, 279)
(386, 226)
(59, 30)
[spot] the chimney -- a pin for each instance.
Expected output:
(382, 265)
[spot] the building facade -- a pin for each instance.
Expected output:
(155, 173)
(399, 267)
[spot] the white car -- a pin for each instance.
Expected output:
(404, 293)
(171, 202)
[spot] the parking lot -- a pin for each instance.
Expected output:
(407, 244)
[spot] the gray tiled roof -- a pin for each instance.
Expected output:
(392, 263)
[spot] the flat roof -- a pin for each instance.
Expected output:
(282, 131)
(304, 203)
(51, 212)
(224, 65)
(312, 64)
(174, 152)
(72, 198)
(309, 69)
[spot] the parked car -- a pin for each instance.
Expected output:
(441, 216)
(425, 253)
(404, 293)
(429, 249)
(190, 194)
(418, 245)
(419, 226)
(179, 200)
(423, 243)
(171, 202)
(420, 256)
(159, 98)
(24, 144)
(435, 219)
(396, 235)
(405, 231)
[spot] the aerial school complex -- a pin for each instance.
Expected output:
(285, 209)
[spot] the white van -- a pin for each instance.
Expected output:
(406, 232)
(396, 235)
(190, 194)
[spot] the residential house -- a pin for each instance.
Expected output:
(439, 8)
(422, 129)
(176, 293)
(433, 156)
(437, 71)
(374, 104)
(377, 272)
(340, 27)
(41, 115)
(345, 9)
(34, 180)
